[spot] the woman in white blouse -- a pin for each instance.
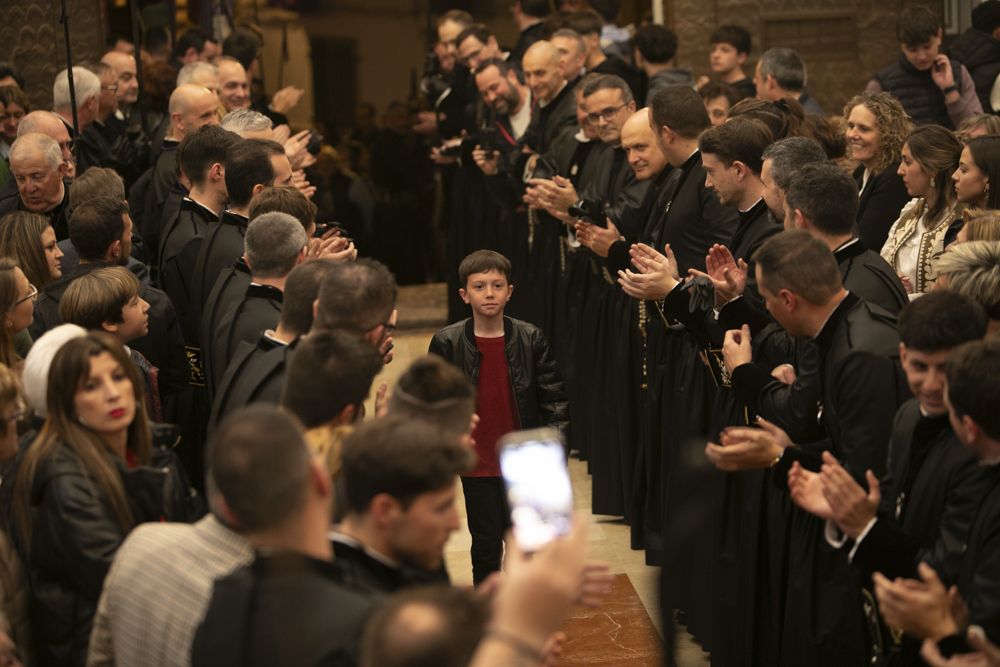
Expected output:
(916, 240)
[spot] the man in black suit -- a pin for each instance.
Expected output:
(860, 388)
(275, 244)
(290, 606)
(251, 166)
(926, 608)
(554, 111)
(397, 475)
(39, 184)
(922, 508)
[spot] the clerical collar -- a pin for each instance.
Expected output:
(198, 203)
(542, 103)
(847, 244)
(744, 213)
(337, 536)
(271, 336)
(582, 137)
(830, 315)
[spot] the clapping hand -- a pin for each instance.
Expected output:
(736, 349)
(924, 608)
(852, 507)
(655, 275)
(727, 275)
(747, 448)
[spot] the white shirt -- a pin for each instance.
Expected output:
(519, 121)
(908, 255)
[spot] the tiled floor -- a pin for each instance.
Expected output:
(622, 632)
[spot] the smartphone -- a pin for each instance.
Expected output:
(533, 466)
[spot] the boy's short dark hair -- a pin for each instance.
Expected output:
(734, 35)
(738, 140)
(585, 22)
(656, 43)
(986, 16)
(974, 383)
(917, 25)
(714, 89)
(940, 320)
(248, 164)
(401, 457)
(483, 261)
(98, 297)
(300, 294)
(95, 225)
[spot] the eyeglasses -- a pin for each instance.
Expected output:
(32, 294)
(607, 114)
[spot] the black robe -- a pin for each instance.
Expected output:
(284, 609)
(374, 578)
(178, 251)
(879, 205)
(978, 579)
(220, 248)
(607, 346)
(255, 375)
(244, 322)
(930, 492)
(861, 387)
(228, 289)
(162, 182)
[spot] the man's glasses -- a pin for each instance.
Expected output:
(607, 114)
(32, 294)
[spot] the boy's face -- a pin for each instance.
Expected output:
(724, 58)
(925, 373)
(135, 320)
(487, 293)
(922, 56)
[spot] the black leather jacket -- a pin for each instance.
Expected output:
(534, 378)
(75, 535)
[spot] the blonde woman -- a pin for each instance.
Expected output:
(917, 239)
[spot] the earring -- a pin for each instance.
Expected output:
(933, 182)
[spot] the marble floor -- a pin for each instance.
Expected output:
(627, 629)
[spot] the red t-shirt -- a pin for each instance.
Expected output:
(494, 405)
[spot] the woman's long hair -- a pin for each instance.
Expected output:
(21, 238)
(8, 299)
(937, 150)
(892, 122)
(985, 153)
(67, 375)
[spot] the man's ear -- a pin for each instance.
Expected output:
(315, 309)
(741, 170)
(346, 416)
(115, 249)
(217, 172)
(631, 106)
(799, 219)
(110, 327)
(257, 190)
(319, 478)
(384, 509)
(788, 298)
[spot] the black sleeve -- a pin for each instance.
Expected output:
(552, 403)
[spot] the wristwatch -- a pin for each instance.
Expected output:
(950, 89)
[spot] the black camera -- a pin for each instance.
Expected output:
(488, 138)
(589, 210)
(315, 142)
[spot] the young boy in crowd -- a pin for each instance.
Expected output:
(730, 50)
(932, 87)
(517, 387)
(108, 300)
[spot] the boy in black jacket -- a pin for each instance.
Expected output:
(517, 387)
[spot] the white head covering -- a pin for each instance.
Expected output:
(35, 377)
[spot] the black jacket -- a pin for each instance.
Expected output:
(526, 38)
(229, 288)
(244, 322)
(163, 346)
(980, 53)
(284, 610)
(879, 205)
(256, 374)
(916, 91)
(74, 537)
(534, 378)
(978, 579)
(555, 118)
(375, 578)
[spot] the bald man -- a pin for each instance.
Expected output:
(234, 85)
(39, 172)
(555, 113)
(48, 123)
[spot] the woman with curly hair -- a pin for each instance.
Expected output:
(917, 238)
(875, 127)
(30, 240)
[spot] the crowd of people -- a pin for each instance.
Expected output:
(771, 334)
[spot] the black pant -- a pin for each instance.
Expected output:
(489, 518)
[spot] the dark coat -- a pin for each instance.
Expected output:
(879, 206)
(221, 247)
(555, 118)
(534, 378)
(178, 251)
(284, 610)
(229, 288)
(980, 53)
(618, 67)
(58, 217)
(255, 375)
(978, 579)
(916, 90)
(374, 578)
(244, 322)
(526, 38)
(74, 537)
(163, 346)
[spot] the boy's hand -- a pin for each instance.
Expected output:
(941, 72)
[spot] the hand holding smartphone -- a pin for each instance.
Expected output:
(533, 465)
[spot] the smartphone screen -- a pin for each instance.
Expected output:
(533, 465)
